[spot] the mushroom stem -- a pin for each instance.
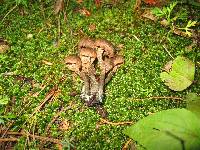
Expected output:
(100, 52)
(86, 87)
(110, 75)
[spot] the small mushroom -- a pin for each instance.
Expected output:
(87, 55)
(106, 46)
(118, 60)
(86, 43)
(73, 63)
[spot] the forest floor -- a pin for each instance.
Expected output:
(44, 96)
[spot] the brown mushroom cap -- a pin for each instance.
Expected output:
(86, 43)
(118, 60)
(108, 64)
(88, 53)
(73, 62)
(105, 45)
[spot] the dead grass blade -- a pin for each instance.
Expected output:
(158, 98)
(54, 92)
(104, 121)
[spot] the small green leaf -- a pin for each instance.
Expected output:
(4, 99)
(173, 129)
(158, 12)
(1, 121)
(181, 75)
(193, 103)
(191, 23)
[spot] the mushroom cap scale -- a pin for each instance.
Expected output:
(86, 43)
(118, 60)
(87, 55)
(89, 52)
(105, 45)
(108, 63)
(73, 62)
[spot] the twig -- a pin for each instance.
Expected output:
(168, 52)
(155, 97)
(42, 138)
(127, 144)
(49, 95)
(56, 116)
(8, 13)
(115, 123)
(8, 140)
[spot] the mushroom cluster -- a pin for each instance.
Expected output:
(96, 64)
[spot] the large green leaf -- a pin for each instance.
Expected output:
(181, 75)
(193, 103)
(173, 129)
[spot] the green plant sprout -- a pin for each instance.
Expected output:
(165, 12)
(187, 27)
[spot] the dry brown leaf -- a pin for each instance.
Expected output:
(58, 6)
(79, 1)
(164, 22)
(179, 32)
(4, 46)
(64, 125)
(120, 46)
(97, 3)
(148, 14)
(84, 12)
(47, 62)
(137, 5)
(168, 66)
(92, 27)
(151, 2)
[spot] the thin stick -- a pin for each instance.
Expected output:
(126, 144)
(8, 13)
(48, 96)
(115, 123)
(136, 38)
(8, 140)
(155, 97)
(168, 52)
(42, 138)
(55, 117)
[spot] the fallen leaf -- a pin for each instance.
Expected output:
(120, 46)
(168, 66)
(164, 22)
(58, 6)
(92, 27)
(64, 125)
(84, 12)
(97, 3)
(79, 1)
(181, 75)
(149, 15)
(4, 46)
(151, 2)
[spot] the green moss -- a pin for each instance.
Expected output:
(144, 56)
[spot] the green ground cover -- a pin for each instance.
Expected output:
(141, 43)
